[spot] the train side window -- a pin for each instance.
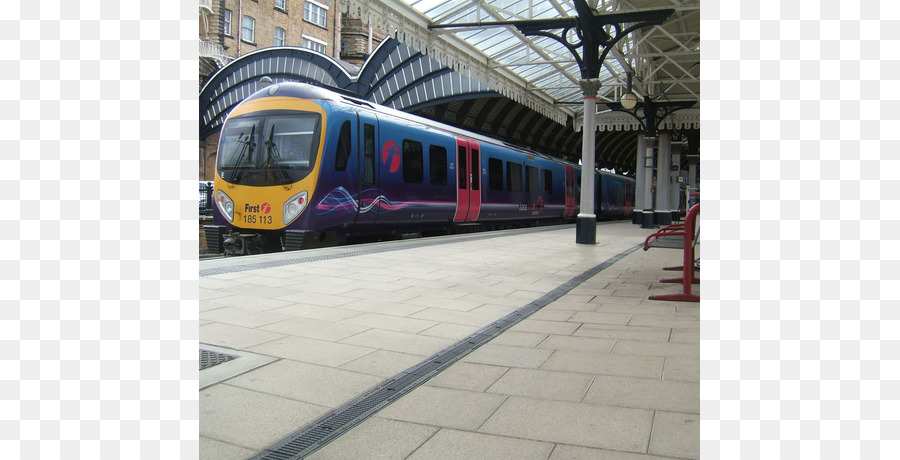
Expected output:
(437, 157)
(369, 151)
(461, 167)
(548, 181)
(495, 174)
(343, 148)
(476, 169)
(413, 169)
(532, 180)
(514, 177)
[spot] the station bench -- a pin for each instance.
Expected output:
(682, 236)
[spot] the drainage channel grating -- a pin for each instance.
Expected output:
(319, 433)
(211, 358)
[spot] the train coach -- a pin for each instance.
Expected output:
(300, 166)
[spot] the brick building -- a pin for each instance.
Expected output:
(233, 28)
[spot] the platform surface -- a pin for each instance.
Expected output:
(599, 372)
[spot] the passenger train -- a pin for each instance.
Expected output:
(301, 166)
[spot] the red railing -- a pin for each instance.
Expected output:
(688, 230)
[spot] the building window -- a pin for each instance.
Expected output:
(226, 22)
(249, 27)
(314, 44)
(437, 156)
(315, 13)
(280, 5)
(412, 162)
(279, 36)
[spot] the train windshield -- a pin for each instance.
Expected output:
(269, 150)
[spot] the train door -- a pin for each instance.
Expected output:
(468, 170)
(369, 187)
(570, 192)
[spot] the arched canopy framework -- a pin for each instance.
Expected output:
(395, 75)
(495, 81)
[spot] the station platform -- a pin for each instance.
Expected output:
(515, 344)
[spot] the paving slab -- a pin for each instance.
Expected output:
(686, 369)
(468, 376)
(251, 419)
(605, 364)
(314, 329)
(238, 337)
(241, 317)
(589, 425)
(675, 435)
(601, 372)
(312, 351)
(449, 444)
(399, 341)
(505, 355)
(444, 407)
(567, 452)
(645, 393)
(377, 438)
(383, 363)
(212, 449)
(543, 384)
(319, 385)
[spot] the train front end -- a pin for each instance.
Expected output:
(267, 167)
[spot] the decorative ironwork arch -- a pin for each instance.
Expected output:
(395, 75)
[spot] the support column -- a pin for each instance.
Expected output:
(647, 157)
(648, 174)
(662, 214)
(586, 226)
(675, 193)
(693, 184)
(639, 179)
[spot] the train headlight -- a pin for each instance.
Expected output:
(225, 204)
(293, 207)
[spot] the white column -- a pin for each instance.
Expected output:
(675, 187)
(639, 173)
(648, 174)
(662, 172)
(586, 227)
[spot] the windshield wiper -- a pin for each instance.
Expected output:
(274, 159)
(247, 149)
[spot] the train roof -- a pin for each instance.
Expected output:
(307, 91)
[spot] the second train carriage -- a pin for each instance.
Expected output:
(299, 165)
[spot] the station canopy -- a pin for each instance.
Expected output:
(542, 74)
(450, 61)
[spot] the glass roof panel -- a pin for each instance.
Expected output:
(489, 37)
(546, 64)
(426, 5)
(545, 10)
(437, 9)
(498, 46)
